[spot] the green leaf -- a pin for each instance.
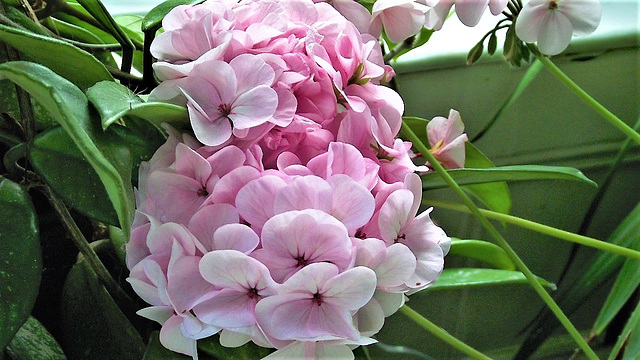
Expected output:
(34, 342)
(100, 13)
(484, 251)
(153, 19)
(93, 327)
(626, 284)
(23, 20)
(20, 259)
(155, 350)
(495, 195)
(70, 108)
(64, 168)
(248, 351)
(629, 337)
(571, 296)
(76, 65)
(104, 36)
(452, 279)
(113, 101)
(75, 32)
(421, 38)
(131, 24)
(469, 176)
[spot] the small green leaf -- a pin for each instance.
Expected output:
(93, 327)
(75, 32)
(632, 351)
(64, 168)
(113, 101)
(77, 66)
(469, 176)
(20, 258)
(23, 20)
(68, 105)
(493, 43)
(248, 351)
(468, 277)
(100, 13)
(484, 251)
(34, 342)
(495, 195)
(104, 36)
(153, 19)
(131, 24)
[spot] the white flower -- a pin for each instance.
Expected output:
(468, 11)
(552, 22)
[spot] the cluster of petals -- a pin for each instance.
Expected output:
(305, 257)
(552, 23)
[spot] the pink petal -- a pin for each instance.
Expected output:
(584, 15)
(159, 314)
(308, 192)
(172, 338)
(210, 132)
(351, 289)
(394, 214)
(185, 286)
(236, 237)
(253, 107)
(255, 201)
(394, 266)
(227, 188)
(228, 309)
(555, 33)
(370, 318)
(234, 270)
(470, 11)
(352, 204)
(530, 20)
(251, 72)
(208, 219)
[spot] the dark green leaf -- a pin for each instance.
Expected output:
(468, 277)
(33, 342)
(104, 36)
(571, 296)
(493, 43)
(628, 338)
(113, 101)
(495, 195)
(484, 251)
(68, 105)
(75, 65)
(418, 126)
(93, 326)
(62, 165)
(23, 20)
(20, 259)
(131, 24)
(248, 351)
(469, 176)
(153, 19)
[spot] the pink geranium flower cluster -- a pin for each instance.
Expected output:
(291, 219)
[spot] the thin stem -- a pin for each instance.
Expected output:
(442, 334)
(405, 44)
(608, 115)
(501, 242)
(87, 251)
(147, 60)
(94, 47)
(543, 229)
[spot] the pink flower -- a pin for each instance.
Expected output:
(296, 239)
(552, 22)
(447, 138)
(317, 303)
(400, 18)
(220, 95)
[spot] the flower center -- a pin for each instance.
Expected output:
(203, 192)
(252, 293)
(302, 262)
(225, 109)
(317, 298)
(553, 5)
(437, 147)
(400, 237)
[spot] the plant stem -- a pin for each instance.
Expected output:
(442, 334)
(405, 44)
(543, 229)
(608, 115)
(87, 251)
(501, 241)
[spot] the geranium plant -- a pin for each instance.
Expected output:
(240, 180)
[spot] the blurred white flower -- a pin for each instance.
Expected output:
(468, 11)
(551, 23)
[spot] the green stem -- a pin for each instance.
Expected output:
(501, 241)
(608, 115)
(543, 229)
(442, 334)
(112, 286)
